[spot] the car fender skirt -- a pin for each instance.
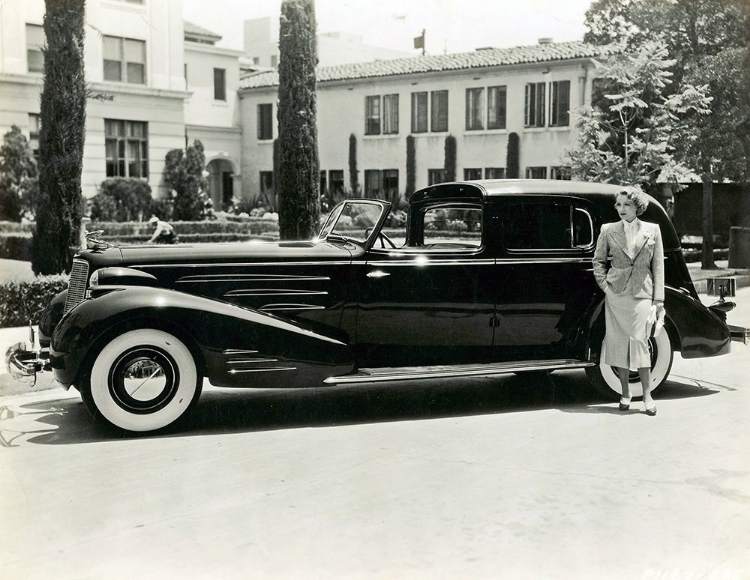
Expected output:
(235, 346)
(701, 332)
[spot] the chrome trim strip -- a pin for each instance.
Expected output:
(422, 261)
(458, 371)
(561, 260)
(252, 360)
(286, 307)
(231, 351)
(237, 371)
(235, 264)
(252, 277)
(272, 292)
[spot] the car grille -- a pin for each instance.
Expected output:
(79, 276)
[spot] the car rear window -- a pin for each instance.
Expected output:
(546, 226)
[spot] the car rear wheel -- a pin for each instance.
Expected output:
(142, 380)
(606, 380)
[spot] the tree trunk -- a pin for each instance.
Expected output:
(707, 258)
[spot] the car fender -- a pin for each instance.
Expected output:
(693, 329)
(233, 346)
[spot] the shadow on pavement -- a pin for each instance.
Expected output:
(61, 422)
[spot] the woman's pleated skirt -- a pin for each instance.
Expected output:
(626, 338)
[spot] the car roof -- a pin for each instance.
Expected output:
(546, 186)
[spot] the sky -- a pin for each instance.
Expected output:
(451, 25)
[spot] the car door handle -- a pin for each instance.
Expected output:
(377, 274)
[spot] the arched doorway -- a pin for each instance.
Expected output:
(220, 182)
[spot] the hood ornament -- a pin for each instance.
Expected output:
(93, 241)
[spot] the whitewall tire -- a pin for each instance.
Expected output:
(142, 380)
(606, 380)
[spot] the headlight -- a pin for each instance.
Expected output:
(94, 280)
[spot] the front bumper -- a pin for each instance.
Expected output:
(23, 364)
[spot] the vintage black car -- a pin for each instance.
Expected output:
(486, 278)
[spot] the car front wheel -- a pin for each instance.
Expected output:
(607, 381)
(142, 380)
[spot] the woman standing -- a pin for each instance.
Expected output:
(634, 290)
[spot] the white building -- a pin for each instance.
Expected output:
(334, 48)
(138, 55)
(480, 98)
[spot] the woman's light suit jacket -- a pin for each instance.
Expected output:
(645, 272)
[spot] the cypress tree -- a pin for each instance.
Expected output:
(299, 168)
(353, 173)
(61, 138)
(450, 158)
(513, 160)
(411, 166)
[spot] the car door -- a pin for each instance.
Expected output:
(547, 244)
(429, 302)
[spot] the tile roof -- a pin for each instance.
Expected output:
(488, 57)
(191, 29)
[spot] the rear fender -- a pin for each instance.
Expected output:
(235, 346)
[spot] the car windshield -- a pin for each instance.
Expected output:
(352, 220)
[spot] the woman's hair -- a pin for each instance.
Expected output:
(637, 196)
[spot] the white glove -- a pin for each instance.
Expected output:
(651, 315)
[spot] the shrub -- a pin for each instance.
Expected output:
(16, 228)
(183, 172)
(16, 246)
(18, 176)
(122, 199)
(24, 300)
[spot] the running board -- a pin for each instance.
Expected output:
(448, 371)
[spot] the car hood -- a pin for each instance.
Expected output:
(236, 252)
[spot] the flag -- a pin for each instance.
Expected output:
(419, 41)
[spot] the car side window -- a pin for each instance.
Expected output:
(448, 227)
(546, 226)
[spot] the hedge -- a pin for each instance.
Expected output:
(15, 246)
(691, 255)
(244, 226)
(196, 238)
(16, 227)
(24, 300)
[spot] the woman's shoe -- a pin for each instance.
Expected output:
(651, 411)
(624, 403)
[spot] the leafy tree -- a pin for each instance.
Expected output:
(299, 168)
(18, 176)
(450, 158)
(631, 139)
(122, 199)
(353, 172)
(61, 138)
(183, 172)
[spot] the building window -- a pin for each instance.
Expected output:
(372, 115)
(34, 43)
(563, 173)
(472, 173)
(220, 84)
(35, 126)
(336, 181)
(390, 183)
(435, 176)
(373, 183)
(126, 148)
(265, 122)
(184, 71)
(390, 114)
(439, 119)
(496, 107)
(419, 112)
(323, 182)
(534, 110)
(474, 109)
(124, 60)
(266, 183)
(256, 60)
(274, 60)
(494, 173)
(536, 173)
(559, 104)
